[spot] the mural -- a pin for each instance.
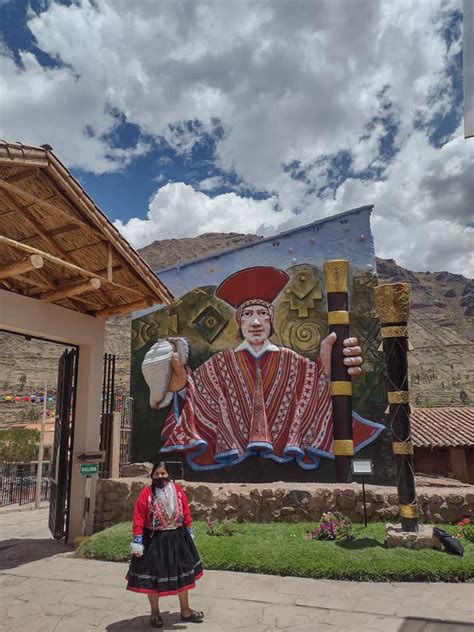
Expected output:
(255, 399)
(237, 403)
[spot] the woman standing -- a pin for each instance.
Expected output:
(165, 560)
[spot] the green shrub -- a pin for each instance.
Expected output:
(225, 528)
(469, 532)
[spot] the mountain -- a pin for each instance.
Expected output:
(441, 329)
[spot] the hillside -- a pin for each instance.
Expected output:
(441, 329)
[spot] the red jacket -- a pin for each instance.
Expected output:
(148, 514)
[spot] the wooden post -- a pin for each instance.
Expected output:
(393, 306)
(39, 471)
(336, 275)
(117, 310)
(66, 291)
(33, 262)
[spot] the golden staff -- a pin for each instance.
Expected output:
(336, 274)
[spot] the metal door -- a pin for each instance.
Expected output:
(107, 414)
(61, 460)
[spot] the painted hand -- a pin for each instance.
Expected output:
(352, 352)
(179, 377)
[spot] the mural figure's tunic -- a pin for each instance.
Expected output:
(275, 403)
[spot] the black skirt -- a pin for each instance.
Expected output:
(169, 565)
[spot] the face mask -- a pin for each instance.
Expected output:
(159, 482)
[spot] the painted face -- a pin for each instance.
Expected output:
(256, 324)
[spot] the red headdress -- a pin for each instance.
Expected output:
(253, 286)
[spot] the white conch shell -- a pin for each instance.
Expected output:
(156, 368)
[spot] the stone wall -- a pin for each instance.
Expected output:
(285, 502)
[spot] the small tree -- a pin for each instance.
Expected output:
(464, 397)
(18, 445)
(22, 382)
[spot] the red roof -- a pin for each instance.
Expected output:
(442, 427)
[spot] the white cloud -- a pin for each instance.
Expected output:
(289, 83)
(178, 210)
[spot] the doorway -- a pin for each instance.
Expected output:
(38, 384)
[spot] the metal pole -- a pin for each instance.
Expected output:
(393, 305)
(87, 501)
(363, 500)
(39, 471)
(336, 277)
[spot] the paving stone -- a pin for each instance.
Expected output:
(328, 602)
(376, 605)
(350, 620)
(277, 616)
(99, 603)
(17, 608)
(42, 623)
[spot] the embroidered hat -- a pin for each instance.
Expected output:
(260, 283)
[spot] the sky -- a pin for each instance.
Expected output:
(181, 117)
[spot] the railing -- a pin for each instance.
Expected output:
(126, 428)
(18, 483)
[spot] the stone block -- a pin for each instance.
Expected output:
(455, 499)
(395, 536)
(347, 499)
(136, 469)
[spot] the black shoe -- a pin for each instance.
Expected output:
(156, 622)
(196, 616)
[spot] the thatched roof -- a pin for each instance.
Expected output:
(56, 245)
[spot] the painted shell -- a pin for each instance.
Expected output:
(156, 367)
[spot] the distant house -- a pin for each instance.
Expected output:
(443, 440)
(48, 435)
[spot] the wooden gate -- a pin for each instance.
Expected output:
(107, 414)
(61, 461)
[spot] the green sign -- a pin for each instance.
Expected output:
(88, 469)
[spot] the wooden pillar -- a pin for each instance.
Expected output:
(393, 305)
(336, 275)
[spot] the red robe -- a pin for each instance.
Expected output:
(147, 513)
(278, 406)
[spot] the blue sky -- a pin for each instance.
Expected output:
(186, 117)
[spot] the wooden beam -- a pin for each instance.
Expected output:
(22, 175)
(67, 291)
(65, 264)
(50, 233)
(97, 273)
(30, 281)
(110, 265)
(73, 194)
(33, 262)
(7, 285)
(34, 199)
(118, 310)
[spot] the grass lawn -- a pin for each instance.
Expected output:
(282, 549)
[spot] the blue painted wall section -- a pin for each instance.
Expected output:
(344, 236)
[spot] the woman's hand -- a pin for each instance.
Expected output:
(137, 549)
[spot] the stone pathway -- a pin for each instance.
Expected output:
(44, 587)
